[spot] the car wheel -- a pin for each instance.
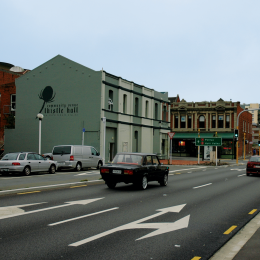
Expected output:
(52, 169)
(110, 184)
(164, 180)
(27, 171)
(78, 167)
(144, 183)
(99, 165)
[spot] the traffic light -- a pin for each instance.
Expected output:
(236, 132)
(216, 134)
(258, 143)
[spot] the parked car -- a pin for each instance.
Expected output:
(136, 168)
(253, 165)
(26, 162)
(48, 156)
(76, 157)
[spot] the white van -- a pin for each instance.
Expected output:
(76, 157)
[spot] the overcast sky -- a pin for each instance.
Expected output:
(202, 50)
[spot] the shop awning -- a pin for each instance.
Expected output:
(202, 135)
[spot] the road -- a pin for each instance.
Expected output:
(196, 214)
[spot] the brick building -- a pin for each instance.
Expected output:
(8, 74)
(211, 119)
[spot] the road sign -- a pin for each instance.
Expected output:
(213, 141)
(171, 134)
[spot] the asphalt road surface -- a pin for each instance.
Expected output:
(191, 218)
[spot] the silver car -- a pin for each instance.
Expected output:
(26, 162)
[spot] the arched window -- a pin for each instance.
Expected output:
(201, 122)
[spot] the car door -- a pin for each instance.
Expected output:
(31, 159)
(157, 170)
(94, 157)
(149, 167)
(43, 164)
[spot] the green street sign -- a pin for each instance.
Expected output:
(213, 141)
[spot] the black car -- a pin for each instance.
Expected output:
(253, 165)
(136, 168)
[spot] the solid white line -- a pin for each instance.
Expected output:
(241, 175)
(202, 186)
(188, 169)
(88, 215)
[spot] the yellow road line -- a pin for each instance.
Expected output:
(28, 192)
(196, 258)
(229, 230)
(78, 186)
(177, 172)
(253, 211)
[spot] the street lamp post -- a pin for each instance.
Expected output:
(40, 117)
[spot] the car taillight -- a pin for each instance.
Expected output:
(250, 165)
(104, 170)
(52, 158)
(129, 172)
(16, 163)
(71, 158)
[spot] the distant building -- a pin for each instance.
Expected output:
(211, 119)
(255, 113)
(74, 99)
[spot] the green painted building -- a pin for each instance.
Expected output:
(73, 97)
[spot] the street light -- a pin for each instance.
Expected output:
(40, 117)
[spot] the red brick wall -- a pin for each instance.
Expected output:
(7, 88)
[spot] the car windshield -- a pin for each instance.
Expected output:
(128, 159)
(62, 150)
(10, 156)
(254, 159)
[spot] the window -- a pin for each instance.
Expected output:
(38, 157)
(30, 156)
(94, 151)
(110, 100)
(183, 121)
(201, 122)
(22, 156)
(125, 103)
(136, 141)
(146, 108)
(156, 111)
(213, 121)
(13, 102)
(155, 160)
(176, 122)
(189, 121)
(220, 121)
(227, 121)
(136, 106)
(148, 160)
(164, 113)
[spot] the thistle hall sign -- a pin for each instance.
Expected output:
(47, 95)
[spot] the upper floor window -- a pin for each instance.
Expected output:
(176, 122)
(189, 121)
(125, 103)
(220, 121)
(164, 113)
(213, 121)
(183, 121)
(227, 121)
(201, 122)
(156, 111)
(146, 108)
(136, 106)
(110, 100)
(13, 102)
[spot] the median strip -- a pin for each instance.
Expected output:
(229, 230)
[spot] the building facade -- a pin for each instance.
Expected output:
(255, 113)
(209, 119)
(74, 100)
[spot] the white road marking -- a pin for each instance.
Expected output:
(241, 175)
(188, 169)
(202, 186)
(161, 227)
(88, 173)
(79, 202)
(88, 215)
(13, 210)
(238, 169)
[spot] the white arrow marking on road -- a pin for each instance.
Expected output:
(161, 227)
(13, 210)
(79, 202)
(88, 215)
